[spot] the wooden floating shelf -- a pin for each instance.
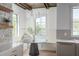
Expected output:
(5, 26)
(5, 9)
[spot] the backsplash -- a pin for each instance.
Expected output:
(63, 34)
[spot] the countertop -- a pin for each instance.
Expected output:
(69, 41)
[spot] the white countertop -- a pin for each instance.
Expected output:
(68, 41)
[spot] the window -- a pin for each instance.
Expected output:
(15, 26)
(40, 29)
(76, 21)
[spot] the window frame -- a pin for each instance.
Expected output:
(73, 23)
(17, 25)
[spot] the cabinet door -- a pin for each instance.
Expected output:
(58, 49)
(6, 53)
(14, 52)
(66, 49)
(77, 49)
(19, 51)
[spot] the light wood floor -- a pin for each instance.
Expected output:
(42, 53)
(47, 53)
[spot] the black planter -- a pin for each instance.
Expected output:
(34, 49)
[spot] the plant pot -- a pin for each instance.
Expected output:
(34, 49)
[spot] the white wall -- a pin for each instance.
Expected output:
(51, 24)
(63, 16)
(22, 19)
(30, 19)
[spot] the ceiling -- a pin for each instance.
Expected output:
(31, 6)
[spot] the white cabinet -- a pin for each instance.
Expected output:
(19, 50)
(16, 51)
(6, 53)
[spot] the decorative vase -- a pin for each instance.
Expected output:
(34, 49)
